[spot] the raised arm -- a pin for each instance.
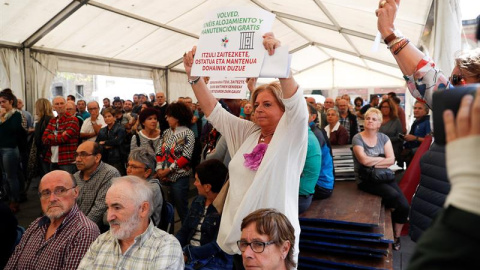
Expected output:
(289, 85)
(409, 57)
(202, 93)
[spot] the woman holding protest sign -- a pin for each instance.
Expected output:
(265, 157)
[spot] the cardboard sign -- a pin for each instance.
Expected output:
(228, 88)
(230, 43)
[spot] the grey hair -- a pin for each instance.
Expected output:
(144, 155)
(334, 110)
(139, 192)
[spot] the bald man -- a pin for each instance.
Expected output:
(61, 139)
(161, 106)
(60, 238)
(321, 116)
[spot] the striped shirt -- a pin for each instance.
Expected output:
(63, 250)
(153, 249)
(176, 150)
(197, 237)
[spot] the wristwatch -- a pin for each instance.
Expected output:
(194, 81)
(396, 34)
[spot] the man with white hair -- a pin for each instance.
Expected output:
(132, 242)
(61, 136)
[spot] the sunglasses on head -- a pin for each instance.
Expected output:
(457, 79)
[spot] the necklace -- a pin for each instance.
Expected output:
(263, 137)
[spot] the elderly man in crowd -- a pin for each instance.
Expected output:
(92, 125)
(161, 106)
(60, 238)
(61, 136)
(347, 119)
(321, 116)
(93, 178)
(71, 109)
(132, 242)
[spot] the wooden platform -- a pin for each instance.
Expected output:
(350, 230)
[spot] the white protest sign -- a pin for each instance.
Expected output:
(230, 43)
(228, 88)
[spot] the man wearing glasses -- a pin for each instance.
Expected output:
(93, 179)
(92, 125)
(60, 238)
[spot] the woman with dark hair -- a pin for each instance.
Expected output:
(11, 130)
(174, 155)
(270, 236)
(198, 235)
(111, 138)
(391, 125)
(149, 135)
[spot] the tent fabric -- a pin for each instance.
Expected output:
(44, 70)
(132, 38)
(12, 71)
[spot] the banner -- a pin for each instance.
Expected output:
(230, 43)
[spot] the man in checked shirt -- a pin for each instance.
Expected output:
(132, 242)
(60, 238)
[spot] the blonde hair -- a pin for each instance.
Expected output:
(375, 111)
(469, 63)
(274, 88)
(43, 107)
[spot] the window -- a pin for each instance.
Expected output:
(79, 93)
(57, 91)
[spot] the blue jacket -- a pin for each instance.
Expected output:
(420, 128)
(326, 178)
(208, 242)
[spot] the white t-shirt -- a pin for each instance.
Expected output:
(88, 128)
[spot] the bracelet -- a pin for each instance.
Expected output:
(194, 81)
(395, 49)
(394, 42)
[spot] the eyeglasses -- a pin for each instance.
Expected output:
(135, 167)
(256, 246)
(456, 79)
(82, 154)
(58, 191)
(92, 109)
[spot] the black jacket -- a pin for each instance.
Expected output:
(431, 192)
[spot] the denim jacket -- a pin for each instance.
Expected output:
(208, 242)
(113, 138)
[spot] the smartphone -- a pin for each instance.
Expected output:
(448, 99)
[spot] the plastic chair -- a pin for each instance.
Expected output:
(20, 232)
(167, 218)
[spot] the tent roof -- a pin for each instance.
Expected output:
(328, 37)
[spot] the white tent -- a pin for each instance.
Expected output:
(330, 40)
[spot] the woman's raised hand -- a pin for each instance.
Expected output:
(386, 13)
(270, 43)
(188, 60)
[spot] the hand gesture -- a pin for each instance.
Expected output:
(468, 119)
(188, 60)
(386, 13)
(270, 43)
(251, 83)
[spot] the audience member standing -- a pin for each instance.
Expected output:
(61, 135)
(44, 113)
(149, 135)
(161, 106)
(175, 154)
(391, 125)
(110, 139)
(82, 109)
(373, 104)
(92, 125)
(11, 134)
